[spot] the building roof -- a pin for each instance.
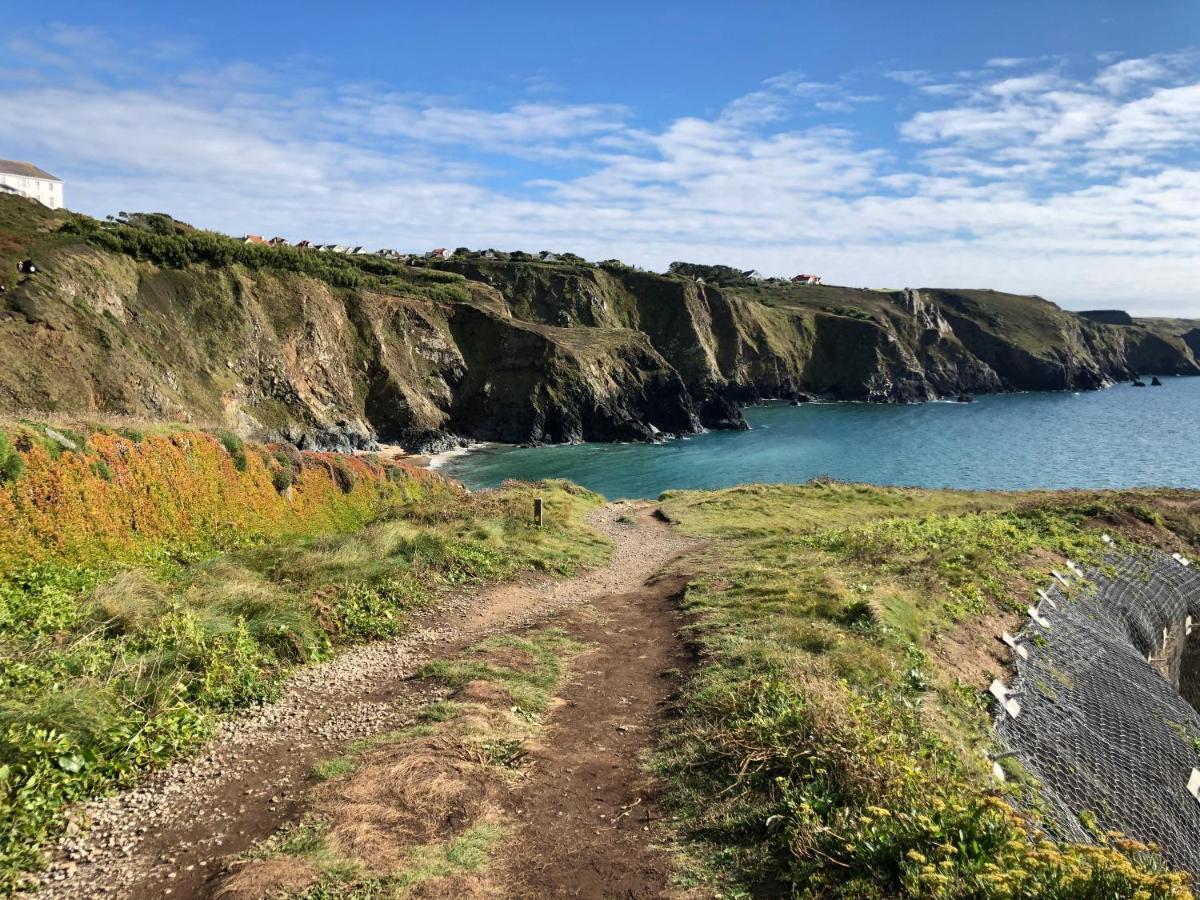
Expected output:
(28, 170)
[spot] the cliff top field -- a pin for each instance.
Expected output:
(836, 741)
(148, 317)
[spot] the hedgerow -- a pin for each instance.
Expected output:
(180, 249)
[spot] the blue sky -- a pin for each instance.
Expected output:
(1049, 147)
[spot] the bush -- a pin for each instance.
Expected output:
(235, 447)
(11, 463)
(281, 479)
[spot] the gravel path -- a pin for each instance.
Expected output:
(167, 836)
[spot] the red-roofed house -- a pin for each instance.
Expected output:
(807, 279)
(254, 239)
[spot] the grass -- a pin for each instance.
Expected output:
(103, 675)
(440, 775)
(830, 746)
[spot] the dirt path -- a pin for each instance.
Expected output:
(168, 836)
(586, 813)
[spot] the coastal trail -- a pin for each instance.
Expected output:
(579, 823)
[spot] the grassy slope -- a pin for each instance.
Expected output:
(831, 744)
(1167, 326)
(118, 647)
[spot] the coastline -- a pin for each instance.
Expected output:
(396, 453)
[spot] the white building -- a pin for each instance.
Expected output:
(28, 180)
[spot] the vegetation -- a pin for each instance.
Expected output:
(140, 601)
(831, 745)
(147, 237)
(439, 818)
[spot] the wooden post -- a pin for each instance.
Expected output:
(537, 512)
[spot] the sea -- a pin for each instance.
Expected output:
(1123, 436)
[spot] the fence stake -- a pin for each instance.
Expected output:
(537, 512)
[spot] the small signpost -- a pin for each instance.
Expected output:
(537, 512)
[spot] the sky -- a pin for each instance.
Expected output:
(1047, 147)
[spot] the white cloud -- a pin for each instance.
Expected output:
(1077, 189)
(1120, 77)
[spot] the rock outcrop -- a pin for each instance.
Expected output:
(286, 347)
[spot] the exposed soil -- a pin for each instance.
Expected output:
(587, 813)
(172, 834)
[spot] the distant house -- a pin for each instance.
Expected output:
(304, 245)
(29, 181)
(753, 274)
(439, 253)
(254, 239)
(547, 256)
(278, 242)
(807, 279)
(339, 248)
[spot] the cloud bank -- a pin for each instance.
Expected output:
(1076, 180)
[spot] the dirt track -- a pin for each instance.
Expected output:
(171, 835)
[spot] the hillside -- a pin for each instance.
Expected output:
(149, 317)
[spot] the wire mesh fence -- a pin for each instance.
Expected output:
(1103, 722)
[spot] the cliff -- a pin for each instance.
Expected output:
(155, 319)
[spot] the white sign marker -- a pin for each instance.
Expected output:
(1194, 784)
(1018, 649)
(1033, 614)
(1000, 692)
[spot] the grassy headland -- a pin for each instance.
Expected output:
(151, 582)
(832, 742)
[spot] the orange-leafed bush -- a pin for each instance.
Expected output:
(116, 499)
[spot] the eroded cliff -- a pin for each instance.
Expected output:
(154, 319)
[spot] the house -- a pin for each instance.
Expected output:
(339, 248)
(254, 239)
(753, 274)
(28, 180)
(439, 253)
(278, 242)
(304, 245)
(807, 279)
(547, 256)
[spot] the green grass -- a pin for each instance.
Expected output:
(341, 879)
(530, 689)
(133, 669)
(825, 748)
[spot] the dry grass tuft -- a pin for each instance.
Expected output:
(257, 879)
(403, 795)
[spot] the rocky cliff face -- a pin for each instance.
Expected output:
(281, 347)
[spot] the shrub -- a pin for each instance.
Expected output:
(235, 447)
(11, 463)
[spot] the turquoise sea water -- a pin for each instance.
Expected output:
(1120, 437)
